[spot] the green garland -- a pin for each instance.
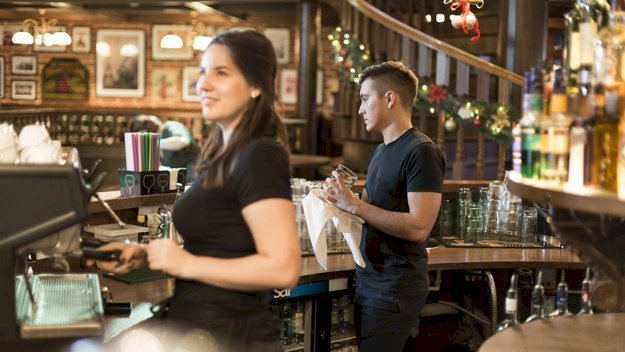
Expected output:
(493, 120)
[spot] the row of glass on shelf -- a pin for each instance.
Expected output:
(494, 217)
(572, 130)
(538, 310)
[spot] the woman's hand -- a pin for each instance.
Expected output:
(166, 256)
(132, 256)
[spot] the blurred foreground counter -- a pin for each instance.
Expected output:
(597, 332)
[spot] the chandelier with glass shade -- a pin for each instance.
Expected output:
(40, 32)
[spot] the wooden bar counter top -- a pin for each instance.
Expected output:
(597, 332)
(342, 265)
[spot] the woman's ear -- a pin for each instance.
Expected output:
(255, 93)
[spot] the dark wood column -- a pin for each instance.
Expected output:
(310, 31)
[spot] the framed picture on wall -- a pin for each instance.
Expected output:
(288, 86)
(81, 39)
(1, 77)
(120, 63)
(52, 48)
(23, 65)
(23, 90)
(7, 32)
(183, 31)
(280, 38)
(190, 75)
(165, 84)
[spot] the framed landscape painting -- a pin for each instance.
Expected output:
(23, 65)
(120, 63)
(23, 90)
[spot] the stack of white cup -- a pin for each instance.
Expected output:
(8, 144)
(35, 146)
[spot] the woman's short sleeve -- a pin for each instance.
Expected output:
(262, 171)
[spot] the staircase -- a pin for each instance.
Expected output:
(387, 28)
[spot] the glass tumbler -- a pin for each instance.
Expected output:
(528, 225)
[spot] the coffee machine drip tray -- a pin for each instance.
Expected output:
(67, 305)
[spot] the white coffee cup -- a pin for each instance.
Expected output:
(32, 135)
(40, 154)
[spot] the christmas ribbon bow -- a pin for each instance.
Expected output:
(465, 5)
(437, 93)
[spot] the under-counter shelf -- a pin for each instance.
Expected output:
(579, 198)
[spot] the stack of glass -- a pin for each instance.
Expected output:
(299, 189)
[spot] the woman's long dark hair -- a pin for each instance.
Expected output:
(254, 56)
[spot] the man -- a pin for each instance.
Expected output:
(399, 204)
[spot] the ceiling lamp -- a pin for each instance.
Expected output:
(40, 33)
(171, 41)
(200, 39)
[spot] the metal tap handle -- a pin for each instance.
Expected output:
(106, 206)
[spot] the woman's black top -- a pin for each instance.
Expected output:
(211, 223)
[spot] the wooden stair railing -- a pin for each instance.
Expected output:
(401, 41)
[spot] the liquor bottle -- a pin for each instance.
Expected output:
(562, 299)
(593, 17)
(572, 48)
(346, 320)
(530, 126)
(510, 317)
(602, 132)
(286, 319)
(516, 147)
(334, 320)
(554, 139)
(586, 295)
(299, 323)
(609, 49)
(621, 158)
(580, 106)
(537, 311)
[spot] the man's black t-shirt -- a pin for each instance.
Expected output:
(211, 223)
(411, 163)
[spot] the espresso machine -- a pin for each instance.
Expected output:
(43, 207)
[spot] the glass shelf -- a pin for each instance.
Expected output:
(592, 223)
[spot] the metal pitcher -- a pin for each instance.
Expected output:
(166, 227)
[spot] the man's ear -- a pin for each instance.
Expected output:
(390, 98)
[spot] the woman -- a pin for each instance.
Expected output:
(237, 218)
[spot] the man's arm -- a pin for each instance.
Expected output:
(412, 226)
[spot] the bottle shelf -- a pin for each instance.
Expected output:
(585, 199)
(590, 222)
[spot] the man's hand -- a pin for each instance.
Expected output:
(337, 193)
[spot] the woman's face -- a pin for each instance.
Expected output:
(224, 91)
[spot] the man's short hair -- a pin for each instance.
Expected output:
(395, 76)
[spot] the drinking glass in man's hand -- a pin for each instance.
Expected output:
(349, 177)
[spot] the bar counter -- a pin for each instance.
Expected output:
(598, 332)
(342, 265)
